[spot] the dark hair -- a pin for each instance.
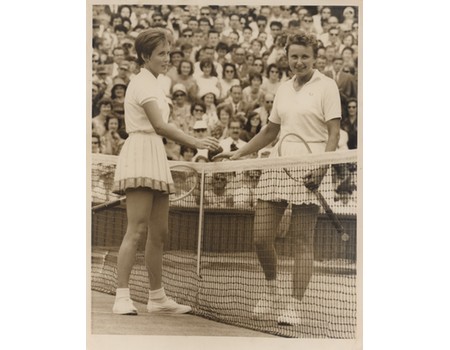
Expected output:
(234, 119)
(224, 107)
(276, 24)
(184, 148)
(303, 39)
(252, 75)
(105, 101)
(147, 41)
(208, 62)
(273, 65)
(222, 46)
(120, 28)
(112, 116)
(248, 125)
(229, 64)
(190, 64)
(113, 90)
(197, 103)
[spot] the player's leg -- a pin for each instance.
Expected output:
(139, 206)
(304, 219)
(267, 220)
(156, 237)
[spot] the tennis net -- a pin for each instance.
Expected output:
(210, 259)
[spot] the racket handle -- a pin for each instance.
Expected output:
(107, 205)
(332, 216)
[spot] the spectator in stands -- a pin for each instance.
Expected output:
(103, 79)
(224, 113)
(349, 18)
(118, 56)
(98, 122)
(185, 76)
(229, 78)
(200, 130)
(209, 97)
(331, 38)
(198, 110)
(348, 60)
(253, 95)
(349, 123)
(256, 47)
(330, 54)
(205, 25)
(272, 81)
(208, 79)
(266, 108)
(213, 38)
(187, 153)
(111, 142)
(345, 81)
(172, 149)
(321, 18)
(252, 127)
(222, 51)
(123, 74)
(236, 102)
(278, 49)
(176, 55)
(275, 29)
(244, 197)
(321, 63)
(118, 94)
(247, 33)
(181, 107)
(95, 142)
(306, 24)
(238, 59)
(97, 95)
(218, 196)
(233, 141)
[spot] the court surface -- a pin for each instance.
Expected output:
(103, 321)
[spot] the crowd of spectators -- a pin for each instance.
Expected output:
(225, 68)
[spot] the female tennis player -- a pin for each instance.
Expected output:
(308, 105)
(143, 173)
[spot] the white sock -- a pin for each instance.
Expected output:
(122, 293)
(158, 295)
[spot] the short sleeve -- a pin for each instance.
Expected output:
(274, 116)
(331, 101)
(146, 90)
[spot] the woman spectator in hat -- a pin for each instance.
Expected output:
(181, 107)
(118, 93)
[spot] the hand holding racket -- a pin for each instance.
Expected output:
(312, 182)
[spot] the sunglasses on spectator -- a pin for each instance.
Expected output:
(307, 20)
(351, 107)
(178, 95)
(257, 64)
(204, 13)
(198, 110)
(269, 101)
(273, 71)
(200, 130)
(187, 35)
(334, 34)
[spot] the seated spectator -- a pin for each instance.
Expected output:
(218, 196)
(330, 54)
(321, 63)
(278, 49)
(198, 110)
(176, 55)
(222, 50)
(252, 127)
(348, 60)
(257, 47)
(181, 108)
(345, 81)
(208, 80)
(118, 94)
(349, 19)
(233, 141)
(272, 81)
(123, 74)
(105, 106)
(224, 113)
(244, 197)
(185, 77)
(235, 101)
(201, 131)
(266, 108)
(229, 78)
(209, 98)
(172, 149)
(103, 79)
(111, 142)
(349, 122)
(95, 143)
(253, 95)
(187, 153)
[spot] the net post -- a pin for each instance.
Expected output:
(200, 220)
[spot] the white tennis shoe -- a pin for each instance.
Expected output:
(290, 314)
(124, 306)
(263, 308)
(170, 306)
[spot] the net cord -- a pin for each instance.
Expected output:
(200, 221)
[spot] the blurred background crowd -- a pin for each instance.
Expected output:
(225, 67)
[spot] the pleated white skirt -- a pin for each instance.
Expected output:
(143, 162)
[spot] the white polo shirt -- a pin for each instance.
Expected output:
(305, 112)
(143, 87)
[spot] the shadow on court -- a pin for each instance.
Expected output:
(103, 321)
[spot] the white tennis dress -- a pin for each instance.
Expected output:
(143, 161)
(304, 112)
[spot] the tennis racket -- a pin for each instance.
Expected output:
(328, 211)
(184, 177)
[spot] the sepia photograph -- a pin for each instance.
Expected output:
(224, 173)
